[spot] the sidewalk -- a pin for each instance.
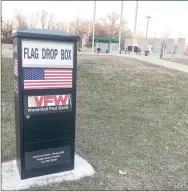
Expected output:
(156, 61)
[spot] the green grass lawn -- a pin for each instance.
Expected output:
(131, 116)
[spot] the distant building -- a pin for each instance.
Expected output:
(106, 44)
(156, 44)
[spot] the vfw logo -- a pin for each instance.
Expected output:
(48, 100)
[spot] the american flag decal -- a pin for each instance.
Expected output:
(16, 67)
(46, 78)
(16, 86)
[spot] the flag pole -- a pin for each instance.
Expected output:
(120, 26)
(135, 22)
(94, 13)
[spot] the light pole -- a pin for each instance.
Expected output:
(94, 13)
(147, 26)
(120, 27)
(135, 22)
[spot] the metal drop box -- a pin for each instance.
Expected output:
(45, 70)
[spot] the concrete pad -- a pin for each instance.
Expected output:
(11, 178)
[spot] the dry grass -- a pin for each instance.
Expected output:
(131, 116)
(183, 60)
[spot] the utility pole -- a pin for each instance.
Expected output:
(147, 26)
(120, 27)
(162, 49)
(94, 13)
(135, 22)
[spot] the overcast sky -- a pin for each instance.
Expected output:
(166, 15)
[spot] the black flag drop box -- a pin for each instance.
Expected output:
(45, 68)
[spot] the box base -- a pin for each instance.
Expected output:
(11, 179)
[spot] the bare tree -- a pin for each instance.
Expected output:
(61, 26)
(100, 30)
(34, 18)
(47, 20)
(21, 22)
(109, 23)
(113, 17)
(80, 27)
(125, 32)
(43, 15)
(113, 27)
(110, 27)
(76, 26)
(165, 36)
(51, 22)
(7, 28)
